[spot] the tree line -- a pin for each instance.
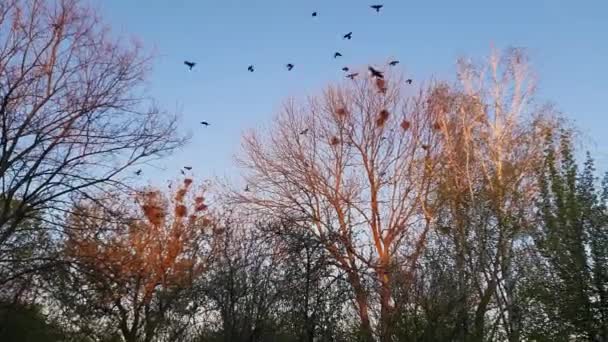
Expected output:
(372, 212)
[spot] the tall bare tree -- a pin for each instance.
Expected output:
(71, 119)
(354, 166)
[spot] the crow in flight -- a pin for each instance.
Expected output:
(289, 66)
(393, 63)
(377, 7)
(304, 131)
(138, 172)
(345, 69)
(250, 68)
(314, 14)
(408, 81)
(188, 168)
(189, 64)
(353, 75)
(375, 73)
(337, 54)
(348, 36)
(204, 123)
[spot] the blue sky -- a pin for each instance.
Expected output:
(567, 42)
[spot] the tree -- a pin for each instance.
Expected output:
(71, 119)
(490, 154)
(136, 274)
(354, 166)
(571, 245)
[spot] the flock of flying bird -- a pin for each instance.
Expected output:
(375, 73)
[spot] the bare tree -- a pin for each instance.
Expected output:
(354, 166)
(137, 274)
(70, 117)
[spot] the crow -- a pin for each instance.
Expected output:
(408, 81)
(348, 36)
(393, 63)
(289, 66)
(188, 168)
(353, 75)
(314, 14)
(182, 171)
(138, 172)
(250, 68)
(204, 123)
(304, 131)
(190, 64)
(345, 69)
(377, 7)
(337, 54)
(376, 73)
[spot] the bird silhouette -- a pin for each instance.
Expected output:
(348, 36)
(189, 64)
(182, 171)
(377, 7)
(188, 168)
(289, 66)
(345, 69)
(353, 75)
(204, 123)
(247, 188)
(393, 63)
(314, 14)
(138, 172)
(304, 131)
(337, 54)
(408, 81)
(250, 68)
(376, 73)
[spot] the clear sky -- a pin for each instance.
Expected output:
(567, 42)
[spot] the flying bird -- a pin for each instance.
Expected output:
(188, 168)
(182, 171)
(138, 172)
(204, 123)
(376, 73)
(304, 131)
(348, 36)
(408, 81)
(189, 64)
(337, 54)
(250, 68)
(377, 7)
(314, 14)
(345, 69)
(353, 75)
(289, 66)
(393, 63)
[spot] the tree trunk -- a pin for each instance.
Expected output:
(362, 307)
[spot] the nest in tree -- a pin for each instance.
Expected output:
(381, 84)
(382, 118)
(341, 112)
(405, 125)
(334, 141)
(425, 147)
(181, 211)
